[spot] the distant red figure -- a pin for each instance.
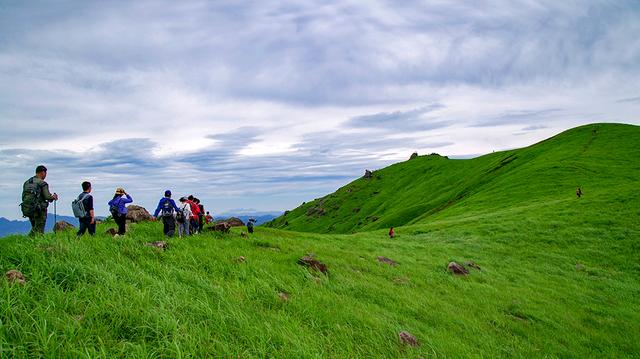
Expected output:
(392, 233)
(578, 192)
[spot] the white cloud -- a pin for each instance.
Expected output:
(268, 104)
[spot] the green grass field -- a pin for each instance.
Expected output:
(559, 278)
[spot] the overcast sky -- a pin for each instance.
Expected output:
(263, 105)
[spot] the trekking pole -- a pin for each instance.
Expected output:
(55, 212)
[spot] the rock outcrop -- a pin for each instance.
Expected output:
(62, 226)
(310, 262)
(457, 269)
(137, 214)
(15, 276)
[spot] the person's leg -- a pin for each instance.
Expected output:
(170, 226)
(91, 227)
(83, 226)
(39, 221)
(187, 230)
(121, 220)
(32, 220)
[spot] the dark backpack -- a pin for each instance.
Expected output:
(167, 208)
(180, 216)
(31, 202)
(115, 210)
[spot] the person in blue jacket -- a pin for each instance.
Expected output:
(118, 209)
(167, 208)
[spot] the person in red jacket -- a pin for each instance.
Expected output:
(195, 215)
(392, 233)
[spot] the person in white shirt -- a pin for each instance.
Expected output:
(183, 218)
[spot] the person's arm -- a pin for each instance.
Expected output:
(46, 194)
(155, 214)
(90, 208)
(128, 199)
(174, 205)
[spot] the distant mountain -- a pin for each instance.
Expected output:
(260, 217)
(8, 227)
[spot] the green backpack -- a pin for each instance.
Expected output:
(31, 202)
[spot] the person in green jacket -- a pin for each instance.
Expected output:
(35, 200)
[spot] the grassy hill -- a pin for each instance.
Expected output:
(559, 276)
(601, 158)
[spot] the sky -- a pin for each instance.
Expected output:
(261, 105)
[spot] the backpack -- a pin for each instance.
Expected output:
(115, 210)
(180, 216)
(31, 202)
(167, 208)
(78, 206)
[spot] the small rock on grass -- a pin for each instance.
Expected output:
(407, 339)
(311, 262)
(157, 244)
(15, 276)
(284, 296)
(457, 269)
(388, 261)
(111, 231)
(472, 264)
(241, 259)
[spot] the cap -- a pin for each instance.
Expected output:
(167, 193)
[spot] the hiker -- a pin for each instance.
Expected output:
(392, 233)
(579, 192)
(208, 218)
(183, 216)
(86, 215)
(200, 214)
(195, 213)
(167, 206)
(250, 224)
(35, 200)
(119, 210)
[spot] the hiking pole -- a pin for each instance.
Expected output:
(55, 212)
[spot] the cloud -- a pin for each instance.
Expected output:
(519, 117)
(411, 120)
(267, 104)
(630, 100)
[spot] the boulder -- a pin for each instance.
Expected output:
(235, 222)
(310, 262)
(15, 276)
(413, 155)
(111, 231)
(407, 339)
(62, 226)
(222, 227)
(157, 244)
(368, 174)
(457, 269)
(137, 214)
(388, 261)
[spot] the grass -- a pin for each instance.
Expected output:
(559, 277)
(601, 158)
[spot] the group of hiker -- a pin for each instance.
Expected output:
(189, 216)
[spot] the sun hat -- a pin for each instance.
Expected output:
(119, 190)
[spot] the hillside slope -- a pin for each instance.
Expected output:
(604, 159)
